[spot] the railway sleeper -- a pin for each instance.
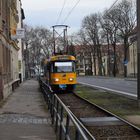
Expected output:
(109, 128)
(101, 121)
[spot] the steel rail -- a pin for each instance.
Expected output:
(82, 125)
(73, 119)
(110, 113)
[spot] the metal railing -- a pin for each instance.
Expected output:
(66, 125)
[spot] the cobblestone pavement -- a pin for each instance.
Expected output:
(24, 116)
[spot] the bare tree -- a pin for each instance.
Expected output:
(117, 24)
(126, 20)
(45, 39)
(105, 33)
(91, 28)
(38, 46)
(110, 28)
(114, 26)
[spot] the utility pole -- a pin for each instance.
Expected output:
(57, 35)
(27, 62)
(138, 51)
(53, 39)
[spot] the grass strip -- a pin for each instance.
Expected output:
(117, 104)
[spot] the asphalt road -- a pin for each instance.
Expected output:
(122, 86)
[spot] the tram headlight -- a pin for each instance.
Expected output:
(56, 79)
(71, 79)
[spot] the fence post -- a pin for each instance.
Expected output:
(52, 107)
(67, 127)
(57, 112)
(61, 120)
(77, 135)
(1, 84)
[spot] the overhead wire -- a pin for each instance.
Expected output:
(64, 2)
(59, 16)
(112, 5)
(108, 10)
(71, 11)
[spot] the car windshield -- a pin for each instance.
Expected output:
(64, 67)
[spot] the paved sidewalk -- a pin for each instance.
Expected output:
(23, 116)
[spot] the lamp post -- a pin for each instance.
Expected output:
(26, 62)
(138, 51)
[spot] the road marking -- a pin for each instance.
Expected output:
(108, 89)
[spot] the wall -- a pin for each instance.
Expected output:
(20, 44)
(8, 47)
(132, 64)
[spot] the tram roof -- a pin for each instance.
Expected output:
(62, 57)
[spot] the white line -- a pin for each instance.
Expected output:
(108, 89)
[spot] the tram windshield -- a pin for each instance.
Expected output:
(63, 67)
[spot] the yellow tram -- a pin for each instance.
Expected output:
(60, 72)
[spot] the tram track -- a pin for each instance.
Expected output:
(102, 124)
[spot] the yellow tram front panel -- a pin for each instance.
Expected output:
(63, 78)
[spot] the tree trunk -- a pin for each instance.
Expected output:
(108, 55)
(91, 73)
(99, 57)
(99, 60)
(114, 65)
(125, 55)
(94, 61)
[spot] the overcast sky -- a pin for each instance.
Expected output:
(46, 12)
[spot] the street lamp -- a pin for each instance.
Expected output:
(138, 50)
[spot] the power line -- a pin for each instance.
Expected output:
(70, 11)
(59, 16)
(78, 3)
(108, 10)
(112, 5)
